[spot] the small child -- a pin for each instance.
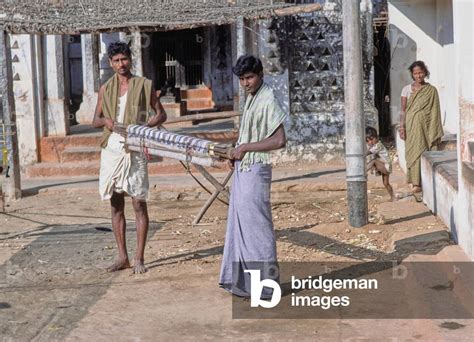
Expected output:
(378, 159)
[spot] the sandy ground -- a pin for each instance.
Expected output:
(54, 249)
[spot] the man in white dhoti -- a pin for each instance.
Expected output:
(125, 99)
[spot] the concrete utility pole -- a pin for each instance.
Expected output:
(13, 183)
(356, 173)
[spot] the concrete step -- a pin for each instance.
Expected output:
(71, 169)
(199, 103)
(448, 142)
(51, 148)
(91, 168)
(80, 154)
(203, 92)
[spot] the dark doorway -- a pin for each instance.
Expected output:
(382, 78)
(178, 58)
(74, 70)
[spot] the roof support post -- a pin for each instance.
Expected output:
(136, 47)
(238, 49)
(12, 186)
(56, 108)
(90, 77)
(356, 173)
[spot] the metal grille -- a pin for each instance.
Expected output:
(179, 57)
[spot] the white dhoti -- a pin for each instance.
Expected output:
(122, 172)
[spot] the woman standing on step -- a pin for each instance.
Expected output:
(420, 121)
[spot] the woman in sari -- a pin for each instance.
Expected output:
(420, 121)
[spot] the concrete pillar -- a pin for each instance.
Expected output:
(368, 48)
(90, 78)
(354, 116)
(56, 108)
(24, 90)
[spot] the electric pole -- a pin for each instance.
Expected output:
(356, 174)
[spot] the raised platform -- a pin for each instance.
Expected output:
(439, 171)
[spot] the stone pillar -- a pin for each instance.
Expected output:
(206, 57)
(238, 49)
(105, 70)
(24, 90)
(56, 109)
(12, 185)
(38, 85)
(90, 78)
(137, 59)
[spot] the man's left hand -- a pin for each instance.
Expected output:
(239, 152)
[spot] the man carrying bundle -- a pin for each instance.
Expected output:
(250, 238)
(125, 99)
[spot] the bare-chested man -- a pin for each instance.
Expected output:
(125, 99)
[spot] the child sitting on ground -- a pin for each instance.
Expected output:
(378, 159)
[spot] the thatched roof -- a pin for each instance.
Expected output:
(81, 16)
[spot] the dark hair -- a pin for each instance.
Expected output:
(371, 132)
(119, 47)
(421, 65)
(247, 63)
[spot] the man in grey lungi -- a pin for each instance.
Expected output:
(250, 238)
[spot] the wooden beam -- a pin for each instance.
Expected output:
(13, 182)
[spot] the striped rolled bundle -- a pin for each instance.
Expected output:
(171, 145)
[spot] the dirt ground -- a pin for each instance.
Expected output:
(54, 249)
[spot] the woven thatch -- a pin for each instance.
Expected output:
(80, 16)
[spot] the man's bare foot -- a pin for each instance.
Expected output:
(118, 265)
(416, 189)
(138, 267)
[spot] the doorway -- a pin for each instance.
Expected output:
(382, 63)
(178, 58)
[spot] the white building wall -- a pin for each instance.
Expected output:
(464, 69)
(439, 32)
(423, 30)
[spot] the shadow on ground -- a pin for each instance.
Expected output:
(50, 284)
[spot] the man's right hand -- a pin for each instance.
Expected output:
(109, 123)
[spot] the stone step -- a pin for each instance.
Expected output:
(199, 103)
(51, 148)
(448, 142)
(196, 93)
(80, 154)
(82, 147)
(72, 169)
(91, 168)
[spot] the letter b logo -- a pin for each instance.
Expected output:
(256, 289)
